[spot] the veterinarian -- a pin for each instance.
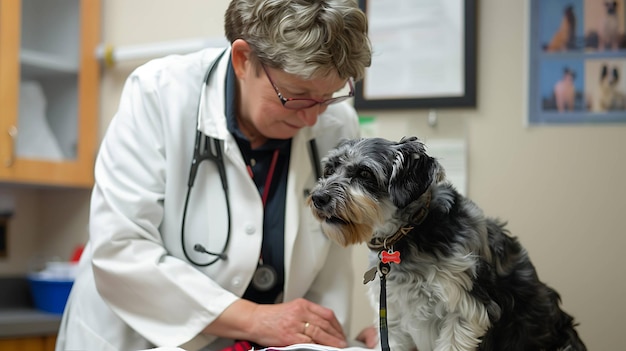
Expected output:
(200, 236)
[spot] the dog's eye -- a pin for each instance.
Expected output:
(328, 171)
(366, 174)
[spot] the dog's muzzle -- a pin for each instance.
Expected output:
(323, 207)
(320, 200)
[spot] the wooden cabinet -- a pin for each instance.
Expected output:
(49, 80)
(41, 343)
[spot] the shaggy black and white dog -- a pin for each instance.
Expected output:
(457, 280)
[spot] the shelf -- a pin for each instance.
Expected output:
(20, 322)
(38, 64)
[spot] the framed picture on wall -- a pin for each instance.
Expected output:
(577, 61)
(424, 54)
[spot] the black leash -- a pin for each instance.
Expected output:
(383, 268)
(388, 255)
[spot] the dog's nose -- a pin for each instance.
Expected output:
(320, 199)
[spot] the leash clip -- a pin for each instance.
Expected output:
(383, 269)
(384, 258)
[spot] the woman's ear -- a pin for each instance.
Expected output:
(241, 54)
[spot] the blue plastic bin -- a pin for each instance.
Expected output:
(50, 295)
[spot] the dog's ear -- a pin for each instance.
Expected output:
(413, 172)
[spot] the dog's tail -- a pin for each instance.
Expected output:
(565, 327)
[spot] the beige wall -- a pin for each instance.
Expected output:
(561, 188)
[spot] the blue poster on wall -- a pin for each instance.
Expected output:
(577, 62)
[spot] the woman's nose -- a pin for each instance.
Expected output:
(309, 115)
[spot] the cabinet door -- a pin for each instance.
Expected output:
(36, 343)
(27, 344)
(49, 343)
(48, 91)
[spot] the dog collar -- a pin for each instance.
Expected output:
(380, 244)
(419, 217)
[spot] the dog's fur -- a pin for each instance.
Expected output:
(463, 283)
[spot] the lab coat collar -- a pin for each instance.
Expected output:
(211, 115)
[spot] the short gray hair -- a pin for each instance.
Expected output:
(308, 38)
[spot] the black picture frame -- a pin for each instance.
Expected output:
(468, 96)
(4, 234)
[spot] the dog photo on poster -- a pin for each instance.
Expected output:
(577, 61)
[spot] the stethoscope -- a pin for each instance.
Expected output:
(208, 148)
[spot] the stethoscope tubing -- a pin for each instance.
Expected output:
(211, 149)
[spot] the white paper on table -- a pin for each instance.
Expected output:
(313, 347)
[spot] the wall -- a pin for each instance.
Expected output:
(560, 188)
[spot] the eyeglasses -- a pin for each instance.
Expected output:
(303, 103)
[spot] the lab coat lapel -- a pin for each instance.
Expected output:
(211, 118)
(300, 171)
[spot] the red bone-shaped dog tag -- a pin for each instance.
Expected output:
(390, 256)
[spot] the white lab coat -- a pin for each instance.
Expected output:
(135, 289)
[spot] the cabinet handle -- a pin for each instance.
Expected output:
(13, 134)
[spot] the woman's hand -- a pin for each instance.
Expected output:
(295, 322)
(368, 336)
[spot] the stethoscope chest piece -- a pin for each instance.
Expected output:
(264, 278)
